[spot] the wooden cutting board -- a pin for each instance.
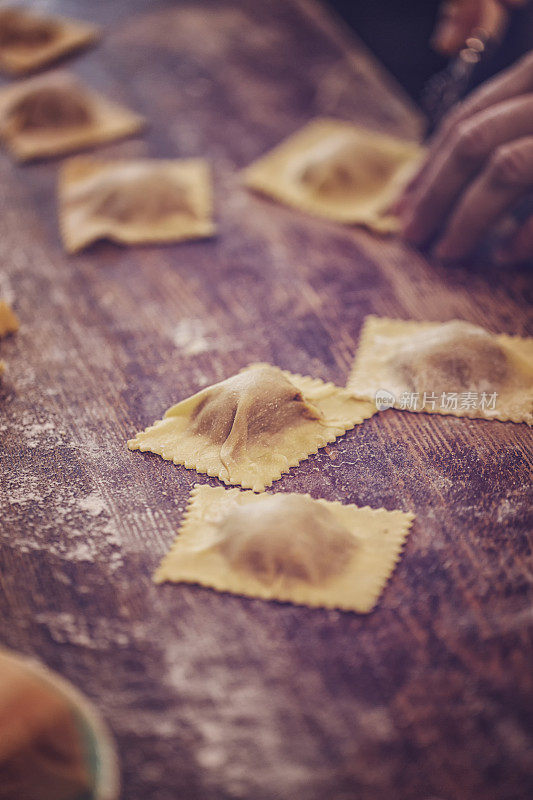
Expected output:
(212, 696)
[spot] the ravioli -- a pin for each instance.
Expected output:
(20, 29)
(29, 41)
(48, 108)
(446, 368)
(9, 322)
(338, 170)
(132, 202)
(251, 428)
(54, 114)
(284, 538)
(286, 547)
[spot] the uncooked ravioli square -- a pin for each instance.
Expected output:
(286, 547)
(55, 113)
(338, 170)
(29, 41)
(452, 367)
(9, 322)
(134, 201)
(253, 427)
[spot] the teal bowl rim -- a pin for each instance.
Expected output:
(101, 751)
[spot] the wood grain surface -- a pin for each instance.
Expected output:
(213, 696)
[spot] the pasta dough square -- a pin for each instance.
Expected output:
(253, 427)
(144, 200)
(338, 170)
(55, 114)
(29, 41)
(444, 368)
(9, 322)
(286, 547)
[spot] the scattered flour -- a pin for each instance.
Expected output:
(92, 504)
(99, 634)
(193, 336)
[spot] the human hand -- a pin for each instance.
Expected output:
(479, 165)
(459, 19)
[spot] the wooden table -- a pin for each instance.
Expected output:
(213, 696)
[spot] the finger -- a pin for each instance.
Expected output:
(456, 21)
(520, 248)
(460, 160)
(492, 21)
(507, 177)
(512, 82)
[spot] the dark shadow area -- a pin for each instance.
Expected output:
(399, 34)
